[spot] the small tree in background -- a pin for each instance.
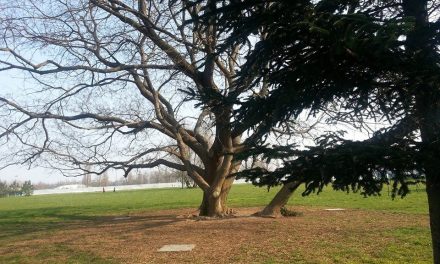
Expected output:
(14, 189)
(4, 189)
(27, 189)
(104, 179)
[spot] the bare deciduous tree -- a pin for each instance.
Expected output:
(108, 79)
(112, 85)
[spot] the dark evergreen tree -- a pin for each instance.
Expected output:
(374, 60)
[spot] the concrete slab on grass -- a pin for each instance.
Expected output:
(176, 248)
(335, 209)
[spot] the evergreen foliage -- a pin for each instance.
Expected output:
(16, 188)
(27, 189)
(316, 55)
(369, 60)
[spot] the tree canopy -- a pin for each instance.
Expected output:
(345, 58)
(359, 62)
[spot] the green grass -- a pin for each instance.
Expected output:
(414, 203)
(19, 215)
(49, 208)
(23, 218)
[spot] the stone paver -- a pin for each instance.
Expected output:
(177, 247)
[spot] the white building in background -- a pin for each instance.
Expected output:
(80, 188)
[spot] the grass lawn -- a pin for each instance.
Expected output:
(57, 228)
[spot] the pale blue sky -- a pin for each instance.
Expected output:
(9, 83)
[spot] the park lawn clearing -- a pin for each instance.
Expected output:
(86, 233)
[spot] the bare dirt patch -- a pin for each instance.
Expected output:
(316, 235)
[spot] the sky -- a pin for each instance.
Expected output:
(22, 173)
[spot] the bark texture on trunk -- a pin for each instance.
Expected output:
(430, 133)
(433, 191)
(427, 96)
(429, 118)
(214, 201)
(273, 209)
(225, 193)
(215, 205)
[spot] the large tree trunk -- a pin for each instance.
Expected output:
(430, 132)
(427, 95)
(215, 205)
(433, 190)
(429, 110)
(211, 205)
(273, 209)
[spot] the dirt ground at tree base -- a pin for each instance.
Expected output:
(316, 236)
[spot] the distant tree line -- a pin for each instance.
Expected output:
(16, 189)
(157, 176)
(138, 177)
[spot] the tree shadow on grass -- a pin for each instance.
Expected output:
(24, 224)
